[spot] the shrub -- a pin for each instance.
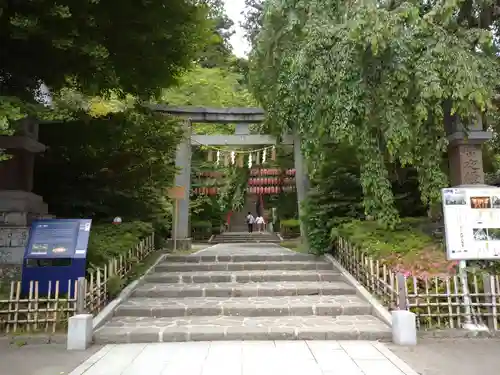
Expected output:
(108, 240)
(407, 248)
(290, 223)
(201, 225)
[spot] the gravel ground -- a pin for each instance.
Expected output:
(42, 359)
(452, 356)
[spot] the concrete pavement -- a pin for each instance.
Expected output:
(246, 358)
(42, 359)
(452, 356)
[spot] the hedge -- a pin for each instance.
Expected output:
(109, 240)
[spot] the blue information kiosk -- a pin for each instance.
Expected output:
(56, 251)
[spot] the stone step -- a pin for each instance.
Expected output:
(252, 240)
(245, 306)
(241, 266)
(242, 276)
(292, 257)
(301, 288)
(203, 328)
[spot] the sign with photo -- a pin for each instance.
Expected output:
(472, 222)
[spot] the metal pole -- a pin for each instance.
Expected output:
(176, 210)
(465, 288)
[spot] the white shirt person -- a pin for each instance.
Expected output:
(260, 223)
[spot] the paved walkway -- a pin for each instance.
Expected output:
(452, 356)
(246, 358)
(41, 359)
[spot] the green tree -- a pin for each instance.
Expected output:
(253, 19)
(118, 164)
(378, 77)
(217, 50)
(94, 46)
(203, 87)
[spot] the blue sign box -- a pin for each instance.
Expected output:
(56, 251)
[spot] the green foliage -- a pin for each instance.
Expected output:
(290, 223)
(96, 46)
(117, 165)
(253, 19)
(379, 78)
(201, 224)
(217, 49)
(217, 87)
(108, 241)
(335, 196)
(376, 240)
(408, 248)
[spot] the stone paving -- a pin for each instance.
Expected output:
(246, 358)
(201, 328)
(241, 276)
(245, 306)
(242, 266)
(243, 291)
(250, 289)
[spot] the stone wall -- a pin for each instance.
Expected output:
(13, 241)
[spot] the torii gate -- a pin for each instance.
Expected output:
(240, 116)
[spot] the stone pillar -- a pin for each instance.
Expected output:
(465, 153)
(183, 178)
(18, 205)
(301, 181)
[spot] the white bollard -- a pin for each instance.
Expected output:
(79, 332)
(404, 328)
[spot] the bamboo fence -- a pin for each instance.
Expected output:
(438, 302)
(33, 312)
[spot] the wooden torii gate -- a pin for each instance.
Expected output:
(240, 116)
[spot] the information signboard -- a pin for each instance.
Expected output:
(56, 251)
(472, 222)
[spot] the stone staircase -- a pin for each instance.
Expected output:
(245, 237)
(282, 296)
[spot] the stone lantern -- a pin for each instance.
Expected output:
(18, 205)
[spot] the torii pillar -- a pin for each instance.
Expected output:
(302, 184)
(183, 178)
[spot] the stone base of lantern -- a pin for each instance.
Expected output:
(17, 210)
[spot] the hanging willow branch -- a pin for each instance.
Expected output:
(375, 79)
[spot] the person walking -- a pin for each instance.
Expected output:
(260, 223)
(250, 220)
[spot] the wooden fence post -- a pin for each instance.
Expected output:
(402, 297)
(490, 299)
(81, 295)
